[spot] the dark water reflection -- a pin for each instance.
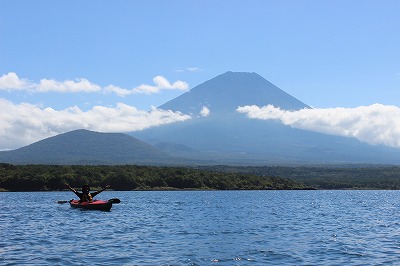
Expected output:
(203, 228)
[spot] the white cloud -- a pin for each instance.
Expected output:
(146, 89)
(117, 90)
(11, 81)
(22, 124)
(374, 124)
(80, 85)
(188, 69)
(161, 84)
(205, 112)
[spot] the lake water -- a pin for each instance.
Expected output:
(203, 228)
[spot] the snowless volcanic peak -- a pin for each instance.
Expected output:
(226, 92)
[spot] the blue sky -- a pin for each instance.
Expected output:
(64, 64)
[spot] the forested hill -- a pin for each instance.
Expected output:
(86, 147)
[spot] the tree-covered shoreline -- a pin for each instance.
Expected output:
(222, 177)
(133, 177)
(352, 176)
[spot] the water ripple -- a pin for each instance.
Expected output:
(203, 228)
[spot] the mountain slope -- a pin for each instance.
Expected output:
(86, 147)
(225, 93)
(226, 136)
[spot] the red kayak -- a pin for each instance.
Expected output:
(103, 205)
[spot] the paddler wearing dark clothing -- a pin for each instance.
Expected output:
(86, 196)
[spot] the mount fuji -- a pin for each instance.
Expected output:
(219, 134)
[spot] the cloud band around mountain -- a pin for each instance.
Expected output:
(23, 124)
(11, 82)
(375, 124)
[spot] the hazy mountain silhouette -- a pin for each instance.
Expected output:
(225, 93)
(225, 136)
(86, 147)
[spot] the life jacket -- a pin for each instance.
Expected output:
(87, 198)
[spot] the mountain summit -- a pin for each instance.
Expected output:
(225, 93)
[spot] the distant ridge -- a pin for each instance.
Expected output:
(82, 147)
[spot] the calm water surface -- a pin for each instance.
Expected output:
(203, 228)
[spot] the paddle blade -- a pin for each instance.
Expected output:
(114, 200)
(62, 201)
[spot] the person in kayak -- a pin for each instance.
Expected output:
(86, 196)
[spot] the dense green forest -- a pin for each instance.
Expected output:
(132, 177)
(327, 176)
